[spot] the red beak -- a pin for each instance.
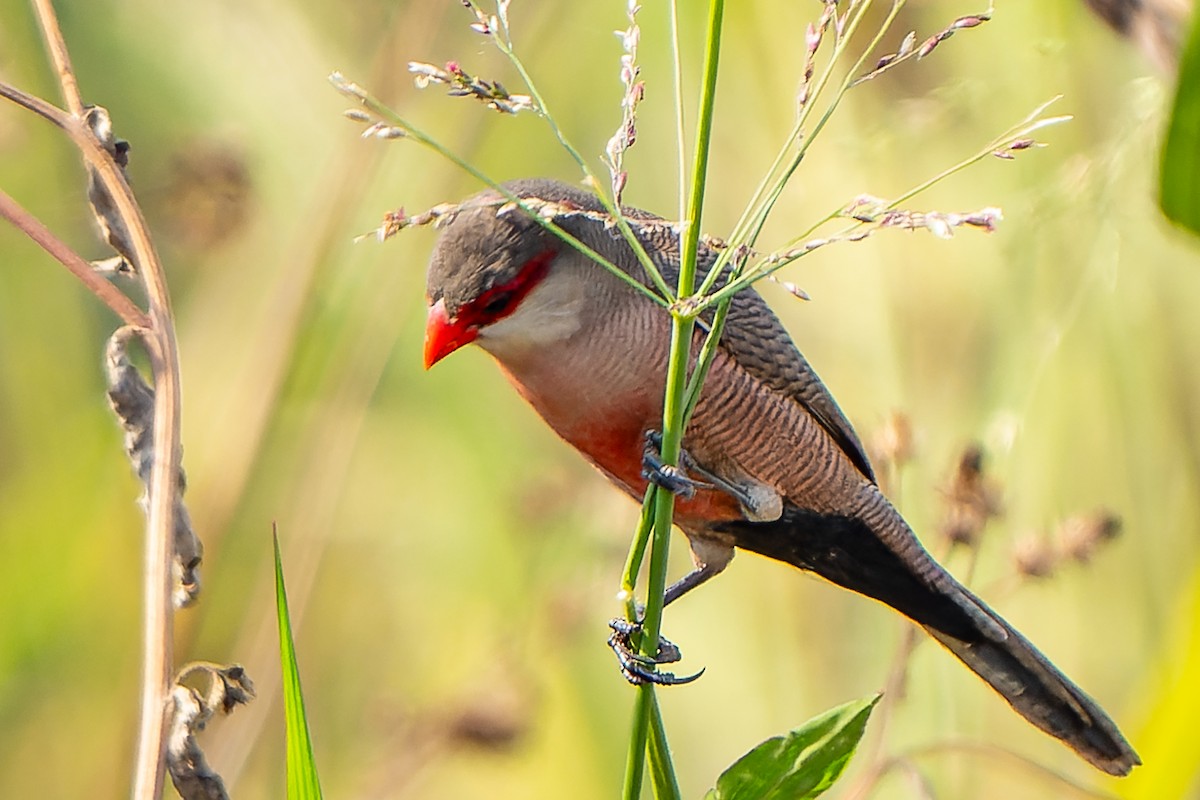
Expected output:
(444, 335)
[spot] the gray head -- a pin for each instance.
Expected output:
(489, 278)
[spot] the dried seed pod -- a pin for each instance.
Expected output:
(132, 400)
(1034, 557)
(1081, 535)
(191, 709)
(971, 500)
(893, 442)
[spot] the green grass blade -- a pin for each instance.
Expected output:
(800, 764)
(1179, 187)
(302, 780)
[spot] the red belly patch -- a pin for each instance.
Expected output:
(618, 454)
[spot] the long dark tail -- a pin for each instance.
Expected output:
(879, 556)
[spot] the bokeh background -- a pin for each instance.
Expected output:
(451, 564)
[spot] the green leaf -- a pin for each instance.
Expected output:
(302, 780)
(1179, 188)
(800, 764)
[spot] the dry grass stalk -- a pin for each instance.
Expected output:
(151, 417)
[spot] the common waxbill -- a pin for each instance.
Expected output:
(788, 476)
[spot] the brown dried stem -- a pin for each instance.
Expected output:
(110, 295)
(991, 752)
(159, 338)
(57, 46)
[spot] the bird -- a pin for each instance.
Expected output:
(775, 466)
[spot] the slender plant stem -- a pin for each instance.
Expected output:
(504, 43)
(163, 484)
(680, 126)
(796, 144)
(37, 105)
(708, 351)
(59, 55)
(110, 295)
(635, 757)
(159, 338)
(764, 211)
(666, 785)
(682, 325)
(419, 136)
(1030, 124)
(637, 552)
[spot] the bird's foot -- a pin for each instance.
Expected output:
(637, 668)
(674, 479)
(759, 502)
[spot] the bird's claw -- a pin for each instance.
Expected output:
(639, 669)
(665, 476)
(758, 501)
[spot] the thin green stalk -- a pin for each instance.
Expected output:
(682, 326)
(674, 404)
(665, 783)
(680, 127)
(708, 352)
(1027, 126)
(1032, 122)
(635, 757)
(420, 137)
(664, 502)
(648, 721)
(504, 44)
(637, 551)
(761, 215)
(770, 181)
(691, 231)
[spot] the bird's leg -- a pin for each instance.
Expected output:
(759, 502)
(674, 479)
(710, 557)
(690, 581)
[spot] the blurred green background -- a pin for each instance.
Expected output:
(451, 565)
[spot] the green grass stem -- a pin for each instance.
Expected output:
(674, 406)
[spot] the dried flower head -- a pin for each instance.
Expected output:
(908, 49)
(1034, 557)
(1008, 152)
(872, 215)
(893, 442)
(791, 288)
(132, 401)
(814, 35)
(1081, 535)
(635, 90)
(190, 710)
(462, 84)
(971, 499)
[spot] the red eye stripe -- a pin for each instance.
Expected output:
(500, 301)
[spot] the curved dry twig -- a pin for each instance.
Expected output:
(110, 295)
(59, 55)
(159, 338)
(991, 751)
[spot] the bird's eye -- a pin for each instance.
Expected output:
(498, 303)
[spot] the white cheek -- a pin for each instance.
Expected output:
(549, 314)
